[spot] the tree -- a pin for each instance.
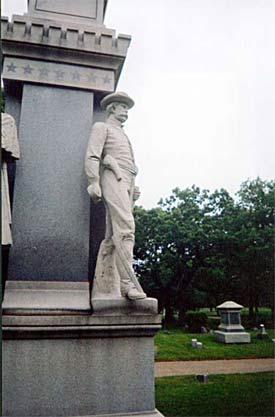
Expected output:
(199, 248)
(150, 257)
(254, 238)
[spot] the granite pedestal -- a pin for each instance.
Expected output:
(71, 363)
(231, 330)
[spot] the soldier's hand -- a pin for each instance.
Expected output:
(136, 194)
(94, 191)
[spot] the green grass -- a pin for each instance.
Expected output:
(240, 395)
(175, 344)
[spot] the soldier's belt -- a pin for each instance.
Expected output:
(112, 164)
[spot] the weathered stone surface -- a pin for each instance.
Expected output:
(82, 11)
(230, 330)
(111, 170)
(51, 208)
(224, 337)
(78, 365)
(125, 306)
(28, 297)
(41, 72)
(67, 298)
(89, 47)
(10, 152)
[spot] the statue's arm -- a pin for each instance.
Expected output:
(92, 159)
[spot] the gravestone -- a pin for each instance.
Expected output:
(231, 330)
(59, 62)
(262, 333)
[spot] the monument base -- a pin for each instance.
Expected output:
(234, 337)
(67, 363)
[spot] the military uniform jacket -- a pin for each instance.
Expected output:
(110, 139)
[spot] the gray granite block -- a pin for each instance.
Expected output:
(32, 297)
(82, 11)
(226, 337)
(51, 205)
(99, 365)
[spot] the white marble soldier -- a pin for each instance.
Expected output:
(10, 151)
(111, 172)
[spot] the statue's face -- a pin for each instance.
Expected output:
(120, 112)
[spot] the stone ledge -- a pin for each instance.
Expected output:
(51, 298)
(155, 413)
(78, 320)
(34, 297)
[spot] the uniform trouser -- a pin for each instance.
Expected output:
(120, 225)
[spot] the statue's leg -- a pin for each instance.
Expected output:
(118, 199)
(106, 281)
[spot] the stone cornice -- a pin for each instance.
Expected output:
(34, 38)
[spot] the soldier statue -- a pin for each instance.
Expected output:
(111, 171)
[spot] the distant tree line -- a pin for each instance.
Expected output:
(199, 249)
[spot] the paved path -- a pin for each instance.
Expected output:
(231, 366)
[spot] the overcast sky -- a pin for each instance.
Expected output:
(202, 74)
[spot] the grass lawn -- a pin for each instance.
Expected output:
(175, 344)
(240, 395)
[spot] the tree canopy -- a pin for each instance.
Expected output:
(198, 248)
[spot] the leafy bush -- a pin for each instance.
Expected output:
(195, 320)
(265, 318)
(214, 322)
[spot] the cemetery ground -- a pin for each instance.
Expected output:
(238, 394)
(175, 345)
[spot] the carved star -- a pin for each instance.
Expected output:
(43, 72)
(76, 75)
(92, 77)
(106, 79)
(11, 67)
(59, 74)
(28, 69)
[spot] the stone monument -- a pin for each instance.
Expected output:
(10, 153)
(262, 334)
(73, 357)
(231, 330)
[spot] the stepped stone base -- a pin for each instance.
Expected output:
(234, 337)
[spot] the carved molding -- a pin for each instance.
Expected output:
(31, 38)
(98, 39)
(51, 73)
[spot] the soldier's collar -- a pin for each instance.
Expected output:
(114, 123)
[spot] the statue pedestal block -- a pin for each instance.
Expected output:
(71, 363)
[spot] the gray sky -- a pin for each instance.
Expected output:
(202, 74)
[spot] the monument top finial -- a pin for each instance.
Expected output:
(81, 11)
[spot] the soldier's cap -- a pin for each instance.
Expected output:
(118, 97)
